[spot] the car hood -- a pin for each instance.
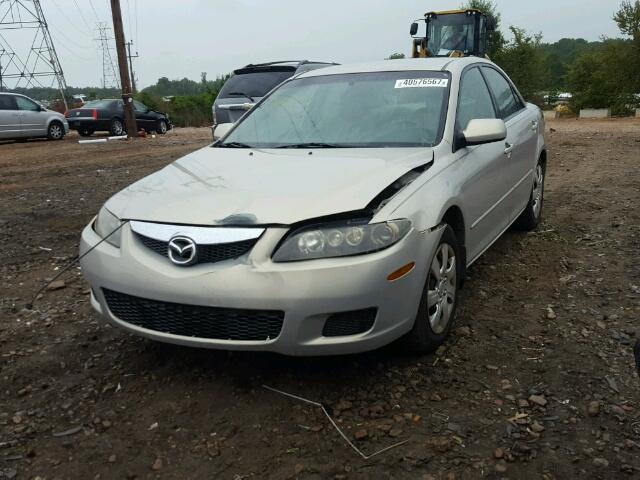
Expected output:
(224, 186)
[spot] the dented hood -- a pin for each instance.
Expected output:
(225, 186)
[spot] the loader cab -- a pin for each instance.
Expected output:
(456, 33)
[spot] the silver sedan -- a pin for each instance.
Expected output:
(336, 216)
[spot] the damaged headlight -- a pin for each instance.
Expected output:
(107, 222)
(340, 240)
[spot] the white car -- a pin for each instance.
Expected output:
(21, 117)
(337, 216)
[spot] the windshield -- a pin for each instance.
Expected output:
(380, 109)
(451, 32)
(254, 84)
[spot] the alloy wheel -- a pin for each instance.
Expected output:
(55, 132)
(117, 127)
(538, 182)
(442, 286)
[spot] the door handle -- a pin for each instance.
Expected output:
(508, 148)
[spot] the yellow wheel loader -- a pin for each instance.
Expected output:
(452, 33)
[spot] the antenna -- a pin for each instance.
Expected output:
(22, 23)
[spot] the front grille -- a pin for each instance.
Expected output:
(194, 320)
(349, 323)
(206, 253)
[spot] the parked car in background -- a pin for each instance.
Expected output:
(249, 84)
(108, 116)
(22, 117)
(338, 215)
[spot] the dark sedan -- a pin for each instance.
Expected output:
(108, 116)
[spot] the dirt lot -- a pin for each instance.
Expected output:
(537, 381)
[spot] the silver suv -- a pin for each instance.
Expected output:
(249, 84)
(22, 117)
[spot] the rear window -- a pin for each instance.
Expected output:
(100, 104)
(254, 84)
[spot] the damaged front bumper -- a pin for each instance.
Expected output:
(155, 298)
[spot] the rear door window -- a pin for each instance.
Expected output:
(7, 102)
(505, 98)
(254, 84)
(474, 100)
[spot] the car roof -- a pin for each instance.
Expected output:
(447, 64)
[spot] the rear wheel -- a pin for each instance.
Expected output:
(86, 132)
(55, 131)
(532, 214)
(440, 295)
(116, 127)
(162, 127)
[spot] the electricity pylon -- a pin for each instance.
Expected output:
(109, 76)
(28, 57)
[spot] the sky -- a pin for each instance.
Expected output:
(182, 38)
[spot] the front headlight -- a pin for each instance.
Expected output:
(340, 240)
(107, 222)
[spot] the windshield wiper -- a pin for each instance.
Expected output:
(310, 145)
(235, 145)
(242, 94)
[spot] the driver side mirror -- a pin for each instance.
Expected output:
(414, 29)
(221, 130)
(482, 130)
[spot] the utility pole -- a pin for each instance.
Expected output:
(133, 75)
(125, 79)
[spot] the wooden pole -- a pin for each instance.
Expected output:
(125, 79)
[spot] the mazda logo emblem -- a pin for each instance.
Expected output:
(182, 251)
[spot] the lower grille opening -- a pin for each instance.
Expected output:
(349, 323)
(195, 320)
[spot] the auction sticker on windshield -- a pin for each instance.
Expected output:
(421, 82)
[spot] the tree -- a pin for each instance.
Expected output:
(525, 63)
(628, 18)
(395, 56)
(495, 40)
(604, 78)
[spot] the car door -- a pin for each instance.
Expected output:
(145, 118)
(522, 131)
(33, 120)
(483, 185)
(9, 117)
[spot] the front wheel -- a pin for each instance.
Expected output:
(532, 214)
(55, 131)
(440, 295)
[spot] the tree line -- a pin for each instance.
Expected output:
(602, 74)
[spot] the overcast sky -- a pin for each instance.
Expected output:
(182, 38)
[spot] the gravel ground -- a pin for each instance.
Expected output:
(536, 382)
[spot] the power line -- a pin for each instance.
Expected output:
(82, 15)
(94, 11)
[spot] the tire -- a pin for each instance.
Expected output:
(532, 214)
(116, 127)
(161, 128)
(86, 132)
(55, 131)
(433, 322)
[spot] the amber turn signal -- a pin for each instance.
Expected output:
(401, 272)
